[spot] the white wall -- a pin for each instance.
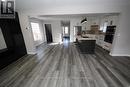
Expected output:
(121, 42)
(121, 45)
(93, 20)
(27, 33)
(114, 18)
(56, 29)
(2, 41)
(41, 30)
(74, 22)
(86, 25)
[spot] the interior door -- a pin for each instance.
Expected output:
(48, 33)
(77, 31)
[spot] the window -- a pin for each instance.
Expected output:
(66, 30)
(36, 31)
(104, 27)
(2, 41)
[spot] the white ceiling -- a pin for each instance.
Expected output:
(44, 4)
(72, 16)
(50, 9)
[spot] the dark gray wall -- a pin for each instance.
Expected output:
(14, 40)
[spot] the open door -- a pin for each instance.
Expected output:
(48, 33)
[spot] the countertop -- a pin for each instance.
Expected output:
(86, 37)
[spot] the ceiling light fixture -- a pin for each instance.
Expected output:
(84, 20)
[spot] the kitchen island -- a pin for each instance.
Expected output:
(86, 44)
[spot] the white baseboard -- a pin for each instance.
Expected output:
(120, 54)
(31, 53)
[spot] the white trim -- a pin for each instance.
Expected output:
(31, 53)
(119, 54)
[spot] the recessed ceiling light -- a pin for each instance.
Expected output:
(3, 0)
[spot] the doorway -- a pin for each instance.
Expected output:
(48, 30)
(65, 31)
(77, 31)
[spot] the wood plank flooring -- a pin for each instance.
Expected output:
(64, 66)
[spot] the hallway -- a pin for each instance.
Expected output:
(63, 66)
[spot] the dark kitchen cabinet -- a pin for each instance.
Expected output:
(86, 46)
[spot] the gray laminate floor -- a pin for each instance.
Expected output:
(59, 65)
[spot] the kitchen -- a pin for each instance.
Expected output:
(99, 31)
